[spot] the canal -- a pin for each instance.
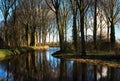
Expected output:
(42, 66)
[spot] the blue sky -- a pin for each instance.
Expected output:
(1, 17)
(117, 32)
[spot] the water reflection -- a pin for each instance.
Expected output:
(41, 66)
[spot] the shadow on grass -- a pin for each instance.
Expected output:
(104, 57)
(101, 57)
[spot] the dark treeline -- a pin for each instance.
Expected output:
(33, 22)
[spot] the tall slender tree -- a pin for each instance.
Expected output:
(83, 6)
(95, 25)
(56, 8)
(74, 9)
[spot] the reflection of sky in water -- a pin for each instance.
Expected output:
(103, 74)
(53, 61)
(3, 72)
(104, 71)
(50, 58)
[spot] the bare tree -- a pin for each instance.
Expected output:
(95, 24)
(65, 17)
(33, 19)
(56, 9)
(24, 21)
(74, 9)
(5, 8)
(83, 7)
(111, 9)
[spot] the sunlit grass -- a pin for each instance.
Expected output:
(4, 53)
(19, 50)
(39, 47)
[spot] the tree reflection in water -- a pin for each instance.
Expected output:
(41, 66)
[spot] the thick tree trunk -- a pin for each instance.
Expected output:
(75, 33)
(15, 37)
(83, 47)
(61, 35)
(95, 25)
(112, 35)
(32, 42)
(61, 38)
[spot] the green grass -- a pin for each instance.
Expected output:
(4, 53)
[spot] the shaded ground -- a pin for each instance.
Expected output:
(107, 59)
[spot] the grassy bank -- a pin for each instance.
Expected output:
(101, 57)
(6, 53)
(39, 47)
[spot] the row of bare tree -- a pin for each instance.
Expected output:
(103, 14)
(28, 21)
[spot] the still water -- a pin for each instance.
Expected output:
(42, 66)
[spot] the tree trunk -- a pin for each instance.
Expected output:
(86, 32)
(95, 25)
(101, 28)
(83, 47)
(75, 32)
(61, 35)
(108, 30)
(14, 29)
(32, 42)
(112, 35)
(82, 36)
(26, 34)
(6, 31)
